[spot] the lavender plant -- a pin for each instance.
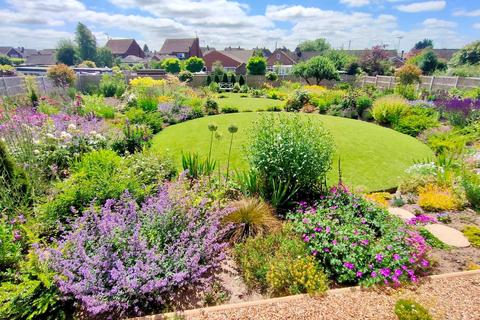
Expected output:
(126, 259)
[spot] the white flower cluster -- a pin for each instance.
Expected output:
(429, 168)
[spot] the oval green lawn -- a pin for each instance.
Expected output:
(246, 103)
(372, 157)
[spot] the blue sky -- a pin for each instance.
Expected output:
(246, 23)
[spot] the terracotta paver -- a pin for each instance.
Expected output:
(448, 235)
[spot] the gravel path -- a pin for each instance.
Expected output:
(455, 298)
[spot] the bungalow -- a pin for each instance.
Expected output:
(10, 52)
(181, 48)
(47, 58)
(234, 60)
(282, 61)
(123, 48)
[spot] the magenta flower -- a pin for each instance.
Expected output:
(378, 257)
(373, 274)
(385, 272)
(348, 265)
(359, 274)
(396, 257)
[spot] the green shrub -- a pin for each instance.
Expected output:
(417, 120)
(244, 89)
(431, 240)
(185, 76)
(93, 104)
(326, 99)
(99, 176)
(150, 168)
(289, 149)
(214, 87)
(363, 103)
(251, 217)
(473, 235)
(153, 120)
(411, 310)
(256, 65)
(274, 109)
(409, 91)
(388, 110)
(297, 101)
(11, 244)
(471, 184)
(271, 263)
(241, 80)
(195, 167)
(135, 138)
(271, 76)
(211, 106)
(229, 109)
(236, 88)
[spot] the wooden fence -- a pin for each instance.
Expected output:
(430, 83)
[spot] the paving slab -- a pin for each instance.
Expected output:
(401, 213)
(448, 235)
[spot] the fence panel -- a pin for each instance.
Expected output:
(431, 83)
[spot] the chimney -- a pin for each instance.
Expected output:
(403, 51)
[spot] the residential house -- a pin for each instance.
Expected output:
(206, 49)
(27, 52)
(122, 48)
(41, 58)
(161, 57)
(181, 48)
(445, 54)
(10, 52)
(282, 61)
(234, 60)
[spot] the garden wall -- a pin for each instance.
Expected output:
(430, 83)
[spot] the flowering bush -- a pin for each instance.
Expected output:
(389, 109)
(125, 259)
(433, 197)
(380, 198)
(460, 111)
(357, 242)
(174, 114)
(12, 242)
(421, 220)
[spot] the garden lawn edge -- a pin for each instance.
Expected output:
(339, 291)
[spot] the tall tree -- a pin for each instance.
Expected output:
(425, 43)
(194, 64)
(257, 65)
(375, 61)
(87, 44)
(315, 45)
(145, 48)
(67, 52)
(104, 57)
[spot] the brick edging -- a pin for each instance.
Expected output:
(338, 291)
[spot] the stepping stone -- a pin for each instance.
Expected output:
(401, 213)
(448, 235)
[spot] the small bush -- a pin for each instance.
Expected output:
(274, 109)
(96, 105)
(271, 76)
(185, 76)
(214, 87)
(473, 235)
(411, 310)
(436, 198)
(388, 110)
(112, 85)
(409, 92)
(236, 88)
(363, 103)
(408, 74)
(61, 75)
(270, 262)
(211, 106)
(250, 217)
(416, 121)
(297, 101)
(380, 198)
(229, 109)
(471, 184)
(135, 138)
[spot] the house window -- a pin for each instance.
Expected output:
(278, 56)
(181, 55)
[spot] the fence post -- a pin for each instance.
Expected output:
(376, 80)
(363, 81)
(456, 82)
(431, 83)
(44, 85)
(5, 86)
(390, 83)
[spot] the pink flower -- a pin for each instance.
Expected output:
(379, 257)
(424, 263)
(373, 274)
(348, 265)
(359, 274)
(396, 257)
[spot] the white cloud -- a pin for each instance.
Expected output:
(476, 25)
(438, 23)
(422, 6)
(474, 13)
(355, 3)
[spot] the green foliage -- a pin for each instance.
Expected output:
(340, 58)
(236, 88)
(104, 57)
(241, 80)
(112, 85)
(431, 240)
(411, 310)
(11, 245)
(272, 264)
(229, 110)
(471, 184)
(250, 217)
(209, 80)
(185, 76)
(233, 78)
(408, 91)
(225, 78)
(468, 55)
(86, 42)
(95, 104)
(290, 149)
(153, 120)
(171, 65)
(67, 53)
(271, 76)
(362, 104)
(195, 167)
(211, 106)
(135, 138)
(473, 235)
(320, 45)
(99, 176)
(217, 68)
(375, 61)
(408, 74)
(5, 60)
(423, 44)
(388, 110)
(257, 65)
(194, 64)
(320, 68)
(31, 294)
(428, 62)
(297, 101)
(417, 120)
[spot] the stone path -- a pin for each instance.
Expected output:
(447, 235)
